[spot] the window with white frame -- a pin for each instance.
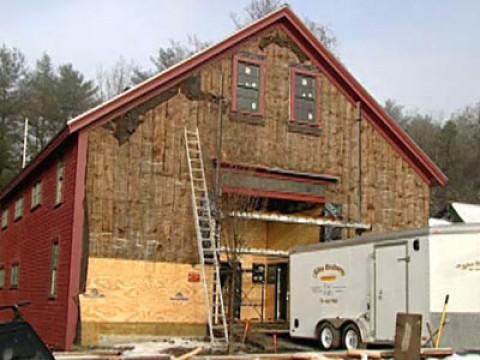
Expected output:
(37, 194)
(60, 182)
(54, 270)
(15, 276)
(4, 218)
(19, 208)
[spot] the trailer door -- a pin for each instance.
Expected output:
(391, 268)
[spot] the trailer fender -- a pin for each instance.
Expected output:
(363, 326)
(336, 322)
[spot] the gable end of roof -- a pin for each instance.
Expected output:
(354, 91)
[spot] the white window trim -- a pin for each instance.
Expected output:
(37, 194)
(19, 209)
(60, 182)
(5, 218)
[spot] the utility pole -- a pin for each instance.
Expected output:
(25, 143)
(359, 134)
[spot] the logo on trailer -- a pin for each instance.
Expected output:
(328, 273)
(473, 265)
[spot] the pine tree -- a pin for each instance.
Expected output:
(12, 76)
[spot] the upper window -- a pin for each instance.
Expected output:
(249, 86)
(37, 194)
(19, 208)
(15, 276)
(60, 182)
(304, 97)
(4, 218)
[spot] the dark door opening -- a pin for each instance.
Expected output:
(281, 292)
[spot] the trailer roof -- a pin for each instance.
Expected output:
(398, 235)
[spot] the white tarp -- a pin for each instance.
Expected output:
(469, 213)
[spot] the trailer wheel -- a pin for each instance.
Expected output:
(351, 338)
(328, 336)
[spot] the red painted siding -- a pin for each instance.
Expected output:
(28, 241)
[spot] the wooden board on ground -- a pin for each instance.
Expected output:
(408, 336)
(383, 354)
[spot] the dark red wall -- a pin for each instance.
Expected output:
(29, 240)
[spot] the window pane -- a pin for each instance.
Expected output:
(305, 87)
(248, 100)
(2, 278)
(249, 75)
(53, 284)
(60, 176)
(4, 218)
(19, 208)
(15, 276)
(54, 269)
(305, 111)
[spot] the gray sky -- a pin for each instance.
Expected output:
(423, 53)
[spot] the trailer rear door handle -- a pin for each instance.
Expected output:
(406, 259)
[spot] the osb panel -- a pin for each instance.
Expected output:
(125, 291)
(138, 194)
(250, 234)
(270, 300)
(286, 236)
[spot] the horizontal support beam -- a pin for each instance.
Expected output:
(295, 219)
(254, 251)
(279, 173)
(268, 194)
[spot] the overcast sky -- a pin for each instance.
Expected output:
(423, 53)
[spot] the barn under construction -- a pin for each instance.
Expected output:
(225, 161)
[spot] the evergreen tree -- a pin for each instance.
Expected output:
(54, 98)
(12, 76)
(74, 94)
(42, 109)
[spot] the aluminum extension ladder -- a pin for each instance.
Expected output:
(207, 244)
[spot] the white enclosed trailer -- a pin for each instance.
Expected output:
(347, 292)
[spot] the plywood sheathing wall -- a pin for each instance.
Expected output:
(138, 195)
(119, 292)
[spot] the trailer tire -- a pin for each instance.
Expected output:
(351, 337)
(328, 336)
